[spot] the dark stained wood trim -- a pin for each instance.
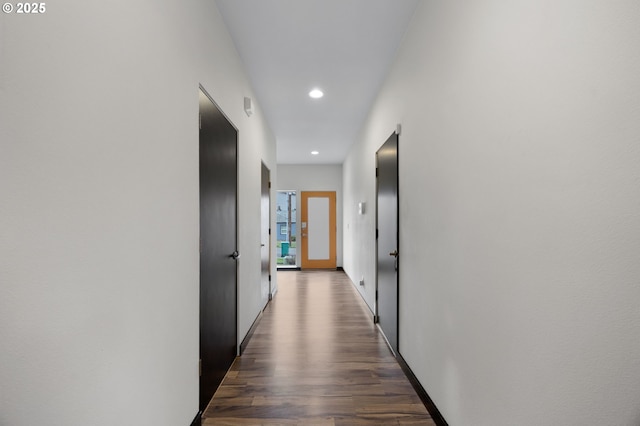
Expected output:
(252, 330)
(198, 420)
(289, 269)
(422, 393)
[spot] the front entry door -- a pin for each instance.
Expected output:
(387, 241)
(318, 229)
(218, 246)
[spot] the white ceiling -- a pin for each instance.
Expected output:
(344, 47)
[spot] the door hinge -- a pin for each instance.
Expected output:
(376, 172)
(269, 231)
(200, 367)
(376, 233)
(269, 277)
(200, 121)
(269, 185)
(376, 295)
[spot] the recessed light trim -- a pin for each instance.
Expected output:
(316, 93)
(315, 152)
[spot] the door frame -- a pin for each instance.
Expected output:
(237, 267)
(305, 263)
(395, 349)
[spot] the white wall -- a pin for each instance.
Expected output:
(99, 262)
(519, 208)
(315, 177)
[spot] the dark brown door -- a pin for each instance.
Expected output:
(387, 241)
(265, 235)
(218, 246)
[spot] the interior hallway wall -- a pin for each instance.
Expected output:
(519, 209)
(99, 222)
(314, 177)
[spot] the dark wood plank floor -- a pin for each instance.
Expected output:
(316, 358)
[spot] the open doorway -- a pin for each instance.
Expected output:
(286, 229)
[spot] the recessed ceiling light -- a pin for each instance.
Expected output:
(314, 153)
(316, 93)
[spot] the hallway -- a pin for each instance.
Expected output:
(316, 358)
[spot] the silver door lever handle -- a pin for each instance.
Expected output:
(235, 255)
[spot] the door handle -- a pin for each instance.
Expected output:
(235, 255)
(395, 262)
(261, 245)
